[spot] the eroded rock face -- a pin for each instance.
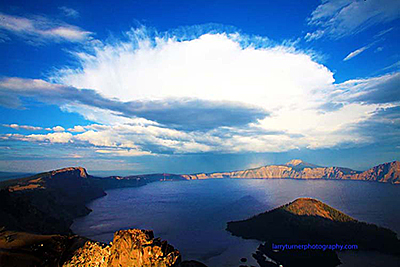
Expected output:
(387, 172)
(91, 254)
(139, 248)
(129, 248)
(297, 169)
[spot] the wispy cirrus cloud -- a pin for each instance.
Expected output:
(383, 32)
(314, 35)
(393, 66)
(376, 90)
(383, 127)
(38, 29)
(69, 12)
(378, 38)
(356, 53)
(340, 18)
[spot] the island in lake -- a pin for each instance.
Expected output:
(37, 212)
(306, 222)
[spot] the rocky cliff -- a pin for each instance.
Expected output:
(129, 248)
(387, 172)
(132, 247)
(297, 169)
(48, 202)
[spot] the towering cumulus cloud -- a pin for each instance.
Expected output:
(189, 92)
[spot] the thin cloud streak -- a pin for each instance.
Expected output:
(356, 53)
(340, 18)
(40, 29)
(23, 127)
(362, 49)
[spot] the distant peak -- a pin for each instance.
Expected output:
(298, 164)
(295, 162)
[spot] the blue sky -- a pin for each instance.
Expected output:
(189, 86)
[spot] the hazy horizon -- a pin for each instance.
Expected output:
(121, 172)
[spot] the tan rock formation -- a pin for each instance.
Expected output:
(387, 172)
(297, 169)
(91, 254)
(136, 248)
(139, 248)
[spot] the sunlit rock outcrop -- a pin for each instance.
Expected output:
(129, 248)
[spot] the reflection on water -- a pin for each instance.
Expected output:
(192, 215)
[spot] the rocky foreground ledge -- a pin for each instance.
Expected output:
(129, 248)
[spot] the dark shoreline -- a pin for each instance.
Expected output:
(47, 203)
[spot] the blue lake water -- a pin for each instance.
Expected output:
(192, 215)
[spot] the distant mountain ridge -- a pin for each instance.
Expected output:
(298, 169)
(69, 189)
(47, 203)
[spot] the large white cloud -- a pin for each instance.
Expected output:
(287, 82)
(210, 67)
(143, 89)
